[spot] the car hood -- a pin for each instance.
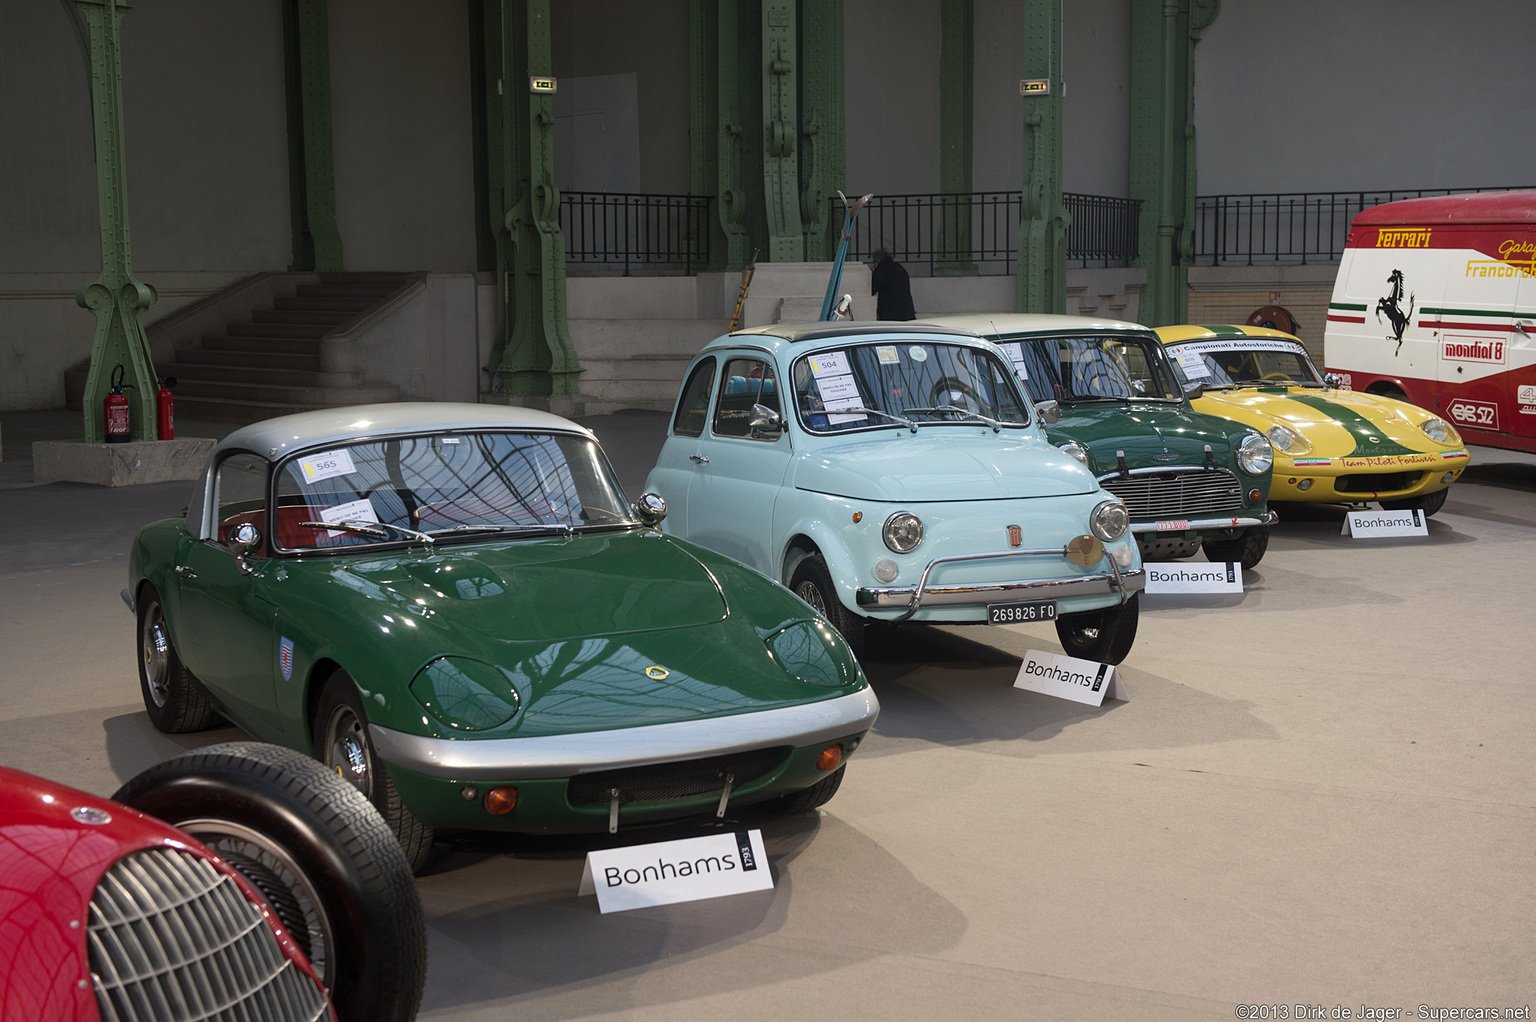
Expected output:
(545, 590)
(1335, 423)
(940, 463)
(1151, 436)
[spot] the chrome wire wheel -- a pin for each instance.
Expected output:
(811, 593)
(346, 749)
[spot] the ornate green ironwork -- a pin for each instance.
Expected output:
(1043, 220)
(781, 120)
(1163, 35)
(822, 153)
(311, 164)
(116, 297)
(956, 126)
(534, 356)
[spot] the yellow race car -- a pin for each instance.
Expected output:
(1331, 445)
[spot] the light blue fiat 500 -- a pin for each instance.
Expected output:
(895, 472)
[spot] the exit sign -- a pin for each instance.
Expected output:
(1035, 87)
(541, 85)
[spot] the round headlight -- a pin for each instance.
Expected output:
(1254, 455)
(1439, 431)
(903, 532)
(1077, 450)
(1287, 441)
(1109, 520)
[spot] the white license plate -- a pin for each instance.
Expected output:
(1021, 613)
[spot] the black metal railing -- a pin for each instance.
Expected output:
(618, 230)
(977, 232)
(1288, 228)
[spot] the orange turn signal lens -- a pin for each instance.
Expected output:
(831, 758)
(1254, 496)
(501, 801)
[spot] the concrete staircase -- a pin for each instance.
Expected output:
(269, 362)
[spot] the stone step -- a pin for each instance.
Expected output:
(366, 292)
(326, 318)
(350, 306)
(312, 331)
(390, 277)
(191, 360)
(266, 393)
(259, 345)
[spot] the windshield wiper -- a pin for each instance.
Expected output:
(997, 427)
(873, 411)
(518, 530)
(379, 530)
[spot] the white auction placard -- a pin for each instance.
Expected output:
(1193, 577)
(666, 872)
(1067, 677)
(1384, 524)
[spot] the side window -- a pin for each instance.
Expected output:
(693, 406)
(240, 494)
(745, 383)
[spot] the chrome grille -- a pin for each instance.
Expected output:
(172, 939)
(1187, 493)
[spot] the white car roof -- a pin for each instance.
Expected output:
(993, 325)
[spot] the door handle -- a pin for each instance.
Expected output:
(698, 459)
(185, 572)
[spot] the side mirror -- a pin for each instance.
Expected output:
(765, 420)
(1194, 390)
(650, 509)
(247, 538)
(1333, 380)
(1049, 411)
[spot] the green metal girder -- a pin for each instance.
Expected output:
(1043, 220)
(822, 133)
(781, 162)
(956, 130)
(534, 355)
(311, 163)
(1163, 36)
(116, 298)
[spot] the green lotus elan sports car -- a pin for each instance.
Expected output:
(455, 607)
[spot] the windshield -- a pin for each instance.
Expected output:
(1249, 361)
(446, 485)
(908, 384)
(1106, 367)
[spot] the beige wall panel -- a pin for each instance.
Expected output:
(891, 95)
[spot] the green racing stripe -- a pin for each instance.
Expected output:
(1361, 428)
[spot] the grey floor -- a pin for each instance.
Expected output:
(1319, 793)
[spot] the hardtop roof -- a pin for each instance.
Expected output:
(1468, 208)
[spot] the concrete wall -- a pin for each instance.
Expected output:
(1317, 95)
(400, 94)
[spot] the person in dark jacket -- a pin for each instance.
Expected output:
(888, 280)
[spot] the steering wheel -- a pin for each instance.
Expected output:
(1277, 376)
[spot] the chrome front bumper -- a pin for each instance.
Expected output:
(1230, 522)
(552, 756)
(979, 594)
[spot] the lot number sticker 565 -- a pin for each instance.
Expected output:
(326, 466)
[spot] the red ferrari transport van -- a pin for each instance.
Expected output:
(1436, 302)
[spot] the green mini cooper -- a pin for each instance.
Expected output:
(455, 607)
(1190, 481)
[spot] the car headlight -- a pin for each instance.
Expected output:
(1440, 431)
(812, 652)
(1076, 450)
(1287, 441)
(465, 694)
(1255, 455)
(1109, 520)
(903, 532)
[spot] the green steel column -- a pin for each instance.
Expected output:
(781, 179)
(538, 358)
(715, 129)
(1042, 280)
(956, 125)
(822, 151)
(116, 297)
(312, 170)
(1163, 35)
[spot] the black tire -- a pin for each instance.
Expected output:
(812, 582)
(1429, 503)
(342, 744)
(1104, 635)
(1247, 548)
(816, 796)
(174, 700)
(320, 854)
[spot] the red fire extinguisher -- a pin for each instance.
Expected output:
(114, 409)
(165, 408)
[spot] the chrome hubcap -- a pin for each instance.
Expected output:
(348, 756)
(156, 650)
